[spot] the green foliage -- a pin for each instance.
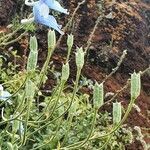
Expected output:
(17, 25)
(64, 119)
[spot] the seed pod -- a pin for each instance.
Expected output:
(80, 58)
(98, 95)
(33, 44)
(65, 72)
(135, 85)
(116, 113)
(33, 55)
(51, 39)
(70, 40)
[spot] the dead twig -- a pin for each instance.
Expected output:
(69, 22)
(117, 67)
(124, 87)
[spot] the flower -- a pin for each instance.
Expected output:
(4, 95)
(41, 13)
(52, 4)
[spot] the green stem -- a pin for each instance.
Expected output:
(89, 135)
(58, 97)
(45, 66)
(54, 106)
(8, 36)
(72, 99)
(49, 102)
(26, 120)
(9, 120)
(73, 96)
(69, 120)
(115, 128)
(14, 92)
(42, 127)
(68, 55)
(108, 139)
(58, 126)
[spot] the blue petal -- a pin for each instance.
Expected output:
(45, 18)
(5, 95)
(52, 4)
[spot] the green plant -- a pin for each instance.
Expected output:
(65, 119)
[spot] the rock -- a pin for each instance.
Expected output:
(7, 9)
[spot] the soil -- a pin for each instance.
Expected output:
(125, 26)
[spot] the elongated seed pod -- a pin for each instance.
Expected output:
(65, 72)
(135, 85)
(33, 55)
(98, 95)
(116, 113)
(80, 57)
(51, 39)
(70, 40)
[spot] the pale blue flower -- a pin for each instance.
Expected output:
(4, 95)
(41, 13)
(52, 4)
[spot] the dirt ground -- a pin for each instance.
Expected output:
(125, 25)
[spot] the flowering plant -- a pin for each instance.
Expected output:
(41, 13)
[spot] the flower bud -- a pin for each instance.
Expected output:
(80, 57)
(65, 72)
(98, 95)
(116, 113)
(51, 39)
(135, 85)
(70, 39)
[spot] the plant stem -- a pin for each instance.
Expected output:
(111, 132)
(45, 66)
(68, 55)
(89, 135)
(73, 96)
(26, 121)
